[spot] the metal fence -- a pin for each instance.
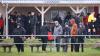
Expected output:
(51, 45)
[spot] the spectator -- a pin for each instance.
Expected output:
(18, 40)
(33, 21)
(85, 21)
(68, 17)
(14, 16)
(97, 24)
(77, 19)
(12, 22)
(66, 38)
(38, 24)
(57, 31)
(44, 31)
(74, 31)
(27, 24)
(58, 18)
(1, 26)
(80, 39)
(20, 19)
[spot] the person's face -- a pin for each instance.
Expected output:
(18, 26)
(72, 21)
(32, 13)
(56, 23)
(66, 26)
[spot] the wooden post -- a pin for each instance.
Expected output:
(42, 11)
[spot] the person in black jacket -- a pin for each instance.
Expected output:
(80, 39)
(32, 22)
(1, 26)
(38, 25)
(44, 31)
(18, 40)
(58, 18)
(66, 38)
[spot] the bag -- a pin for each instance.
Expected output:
(50, 38)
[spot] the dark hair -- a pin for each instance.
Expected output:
(15, 12)
(29, 12)
(88, 14)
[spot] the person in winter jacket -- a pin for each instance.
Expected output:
(58, 18)
(66, 38)
(1, 26)
(38, 24)
(57, 31)
(18, 40)
(44, 31)
(80, 39)
(33, 21)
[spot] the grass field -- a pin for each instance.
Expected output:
(88, 51)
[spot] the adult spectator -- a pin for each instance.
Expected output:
(58, 18)
(57, 31)
(97, 24)
(66, 38)
(18, 40)
(85, 21)
(44, 31)
(74, 31)
(67, 17)
(80, 39)
(33, 21)
(27, 24)
(38, 24)
(1, 26)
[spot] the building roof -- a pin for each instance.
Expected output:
(51, 1)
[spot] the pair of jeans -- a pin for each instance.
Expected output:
(58, 44)
(73, 44)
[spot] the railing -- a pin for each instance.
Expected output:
(54, 1)
(88, 43)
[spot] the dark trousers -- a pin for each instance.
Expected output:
(33, 29)
(20, 47)
(58, 44)
(44, 41)
(80, 45)
(1, 33)
(73, 44)
(65, 45)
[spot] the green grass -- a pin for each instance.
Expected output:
(87, 52)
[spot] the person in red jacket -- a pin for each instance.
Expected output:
(1, 25)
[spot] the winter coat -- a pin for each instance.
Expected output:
(19, 31)
(33, 20)
(58, 30)
(44, 30)
(81, 31)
